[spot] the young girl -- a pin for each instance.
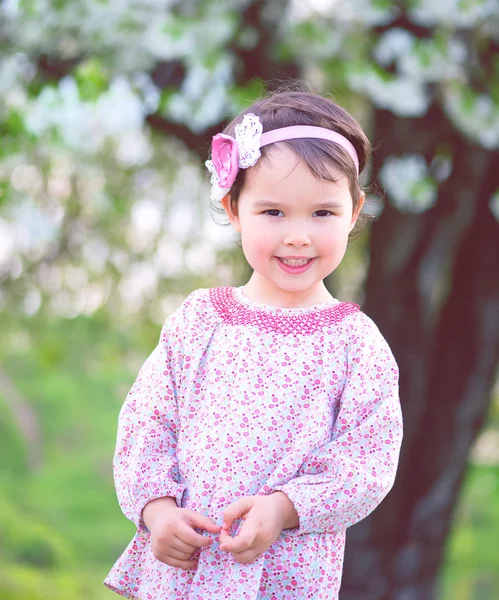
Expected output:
(267, 419)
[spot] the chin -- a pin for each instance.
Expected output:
(296, 287)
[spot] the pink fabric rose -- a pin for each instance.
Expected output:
(224, 155)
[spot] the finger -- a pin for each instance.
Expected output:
(187, 535)
(203, 522)
(179, 555)
(181, 546)
(236, 510)
(244, 540)
(177, 549)
(175, 559)
(240, 543)
(225, 536)
(182, 564)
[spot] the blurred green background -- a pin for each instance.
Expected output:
(106, 112)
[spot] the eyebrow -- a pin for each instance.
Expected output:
(271, 204)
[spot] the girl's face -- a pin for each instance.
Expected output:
(286, 215)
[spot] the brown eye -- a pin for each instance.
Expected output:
(268, 212)
(323, 213)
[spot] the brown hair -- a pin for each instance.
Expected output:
(324, 158)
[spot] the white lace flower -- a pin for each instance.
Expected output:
(217, 193)
(248, 134)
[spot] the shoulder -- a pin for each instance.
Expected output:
(196, 307)
(193, 316)
(197, 300)
(357, 323)
(362, 336)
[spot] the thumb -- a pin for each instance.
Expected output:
(203, 522)
(236, 510)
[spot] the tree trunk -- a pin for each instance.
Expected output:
(433, 290)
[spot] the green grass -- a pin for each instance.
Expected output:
(471, 570)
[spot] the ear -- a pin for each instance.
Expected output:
(357, 210)
(233, 218)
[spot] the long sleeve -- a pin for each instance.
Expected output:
(344, 480)
(145, 465)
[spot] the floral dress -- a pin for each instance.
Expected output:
(240, 399)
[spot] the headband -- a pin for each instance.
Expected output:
(229, 154)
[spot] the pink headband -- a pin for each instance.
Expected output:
(308, 131)
(230, 154)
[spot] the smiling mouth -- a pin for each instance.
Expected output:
(295, 262)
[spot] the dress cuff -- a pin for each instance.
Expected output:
(293, 494)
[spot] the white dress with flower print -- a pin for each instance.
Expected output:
(240, 399)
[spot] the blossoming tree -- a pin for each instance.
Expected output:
(94, 100)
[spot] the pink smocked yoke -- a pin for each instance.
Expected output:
(241, 399)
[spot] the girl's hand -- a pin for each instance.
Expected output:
(173, 535)
(264, 519)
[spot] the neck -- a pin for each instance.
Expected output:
(263, 291)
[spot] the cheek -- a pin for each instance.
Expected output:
(257, 243)
(333, 239)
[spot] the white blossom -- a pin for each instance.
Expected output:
(61, 108)
(203, 96)
(348, 11)
(407, 183)
(422, 60)
(85, 125)
(79, 28)
(453, 12)
(393, 44)
(404, 96)
(479, 121)
(119, 110)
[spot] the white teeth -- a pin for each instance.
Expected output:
(294, 262)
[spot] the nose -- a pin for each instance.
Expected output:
(297, 237)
